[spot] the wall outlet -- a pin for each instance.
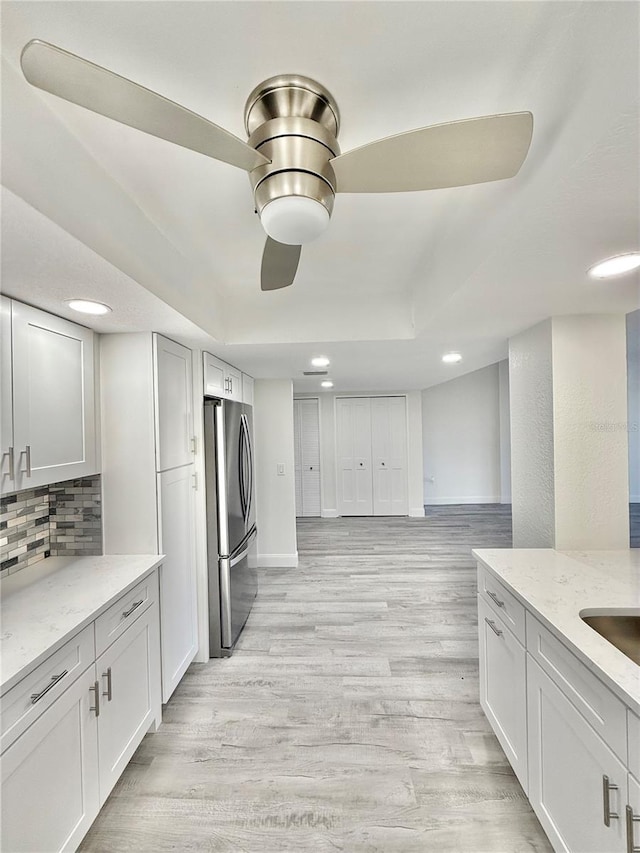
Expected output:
(280, 468)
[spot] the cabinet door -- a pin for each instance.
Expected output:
(53, 398)
(7, 478)
(129, 675)
(568, 764)
(214, 376)
(178, 628)
(632, 814)
(174, 404)
(247, 389)
(503, 690)
(50, 776)
(355, 493)
(389, 455)
(233, 380)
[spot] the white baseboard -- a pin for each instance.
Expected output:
(473, 499)
(278, 561)
(329, 513)
(416, 512)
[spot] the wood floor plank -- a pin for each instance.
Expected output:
(348, 717)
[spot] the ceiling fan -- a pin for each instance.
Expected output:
(292, 154)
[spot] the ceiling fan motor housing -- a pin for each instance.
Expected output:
(293, 121)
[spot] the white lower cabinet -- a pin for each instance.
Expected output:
(503, 688)
(632, 815)
(572, 773)
(50, 793)
(129, 676)
(58, 773)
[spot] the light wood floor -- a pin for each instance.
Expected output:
(348, 718)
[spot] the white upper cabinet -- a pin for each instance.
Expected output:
(223, 380)
(6, 399)
(247, 389)
(53, 398)
(175, 443)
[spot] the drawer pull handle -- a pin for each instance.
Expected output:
(495, 598)
(631, 818)
(35, 697)
(108, 692)
(134, 606)
(607, 787)
(96, 692)
(493, 626)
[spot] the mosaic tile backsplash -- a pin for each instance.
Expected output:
(61, 520)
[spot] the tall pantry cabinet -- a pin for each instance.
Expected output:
(149, 477)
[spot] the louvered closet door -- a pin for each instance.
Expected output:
(307, 457)
(389, 455)
(353, 439)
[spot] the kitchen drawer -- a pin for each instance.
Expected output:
(20, 708)
(633, 729)
(115, 621)
(606, 714)
(502, 601)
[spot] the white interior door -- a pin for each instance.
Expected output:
(353, 441)
(389, 455)
(306, 428)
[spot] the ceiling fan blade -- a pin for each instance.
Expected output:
(75, 79)
(279, 264)
(454, 154)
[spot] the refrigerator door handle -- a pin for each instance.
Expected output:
(238, 557)
(250, 470)
(241, 470)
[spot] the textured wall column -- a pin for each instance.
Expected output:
(569, 444)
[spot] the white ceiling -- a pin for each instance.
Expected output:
(398, 278)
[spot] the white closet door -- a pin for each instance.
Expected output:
(306, 428)
(389, 455)
(310, 457)
(297, 454)
(355, 487)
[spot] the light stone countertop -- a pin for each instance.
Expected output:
(556, 586)
(43, 606)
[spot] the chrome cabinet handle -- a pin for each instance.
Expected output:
(134, 606)
(108, 693)
(194, 444)
(35, 697)
(12, 470)
(96, 692)
(27, 453)
(495, 598)
(631, 819)
(493, 627)
(607, 787)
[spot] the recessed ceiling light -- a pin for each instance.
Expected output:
(327, 384)
(617, 265)
(451, 357)
(320, 361)
(87, 306)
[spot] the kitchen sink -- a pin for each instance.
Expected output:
(622, 631)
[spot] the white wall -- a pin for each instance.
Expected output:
(327, 409)
(633, 402)
(505, 432)
(461, 439)
(531, 392)
(275, 494)
(569, 447)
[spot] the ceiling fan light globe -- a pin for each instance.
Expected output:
(294, 220)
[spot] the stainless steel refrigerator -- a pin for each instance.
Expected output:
(231, 527)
